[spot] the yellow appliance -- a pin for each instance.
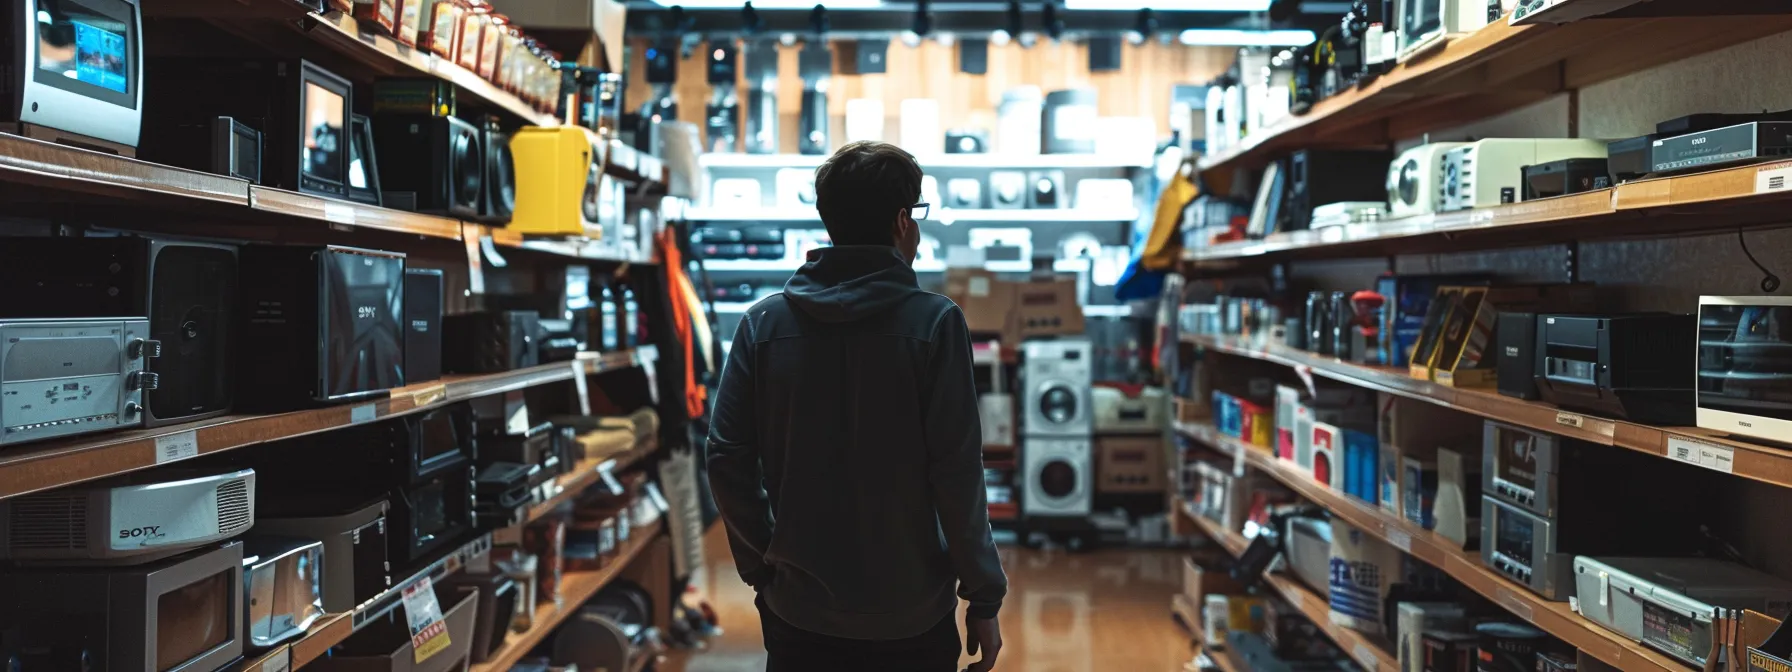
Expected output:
(557, 171)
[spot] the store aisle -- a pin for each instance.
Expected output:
(1049, 621)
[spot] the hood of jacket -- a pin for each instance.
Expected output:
(848, 282)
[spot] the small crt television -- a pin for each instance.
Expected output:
(1745, 366)
(73, 66)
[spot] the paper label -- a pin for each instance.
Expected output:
(1306, 378)
(659, 500)
(278, 661)
(429, 395)
(1707, 455)
(362, 413)
(177, 446)
(475, 266)
(1365, 657)
(610, 482)
(1772, 177)
(1400, 539)
(339, 213)
(581, 385)
(978, 286)
(1570, 419)
(429, 634)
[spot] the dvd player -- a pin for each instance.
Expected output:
(1722, 146)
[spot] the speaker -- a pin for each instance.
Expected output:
(432, 164)
(871, 57)
(1104, 54)
(1515, 350)
(1321, 177)
(1045, 189)
(490, 341)
(192, 300)
(973, 56)
(497, 194)
(422, 325)
(1007, 189)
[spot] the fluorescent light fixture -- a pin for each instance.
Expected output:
(1169, 5)
(769, 4)
(1247, 38)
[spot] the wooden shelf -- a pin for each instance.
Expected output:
(1555, 618)
(342, 33)
(1364, 649)
(349, 213)
(1072, 215)
(1723, 199)
(1498, 68)
(47, 164)
(987, 160)
(575, 589)
(589, 472)
(42, 466)
(1692, 445)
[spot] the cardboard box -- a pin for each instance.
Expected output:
(986, 301)
(1199, 581)
(997, 414)
(1130, 464)
(1045, 308)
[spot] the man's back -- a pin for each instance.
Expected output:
(863, 404)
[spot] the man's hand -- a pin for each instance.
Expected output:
(984, 633)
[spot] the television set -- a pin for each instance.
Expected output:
(77, 70)
(1745, 366)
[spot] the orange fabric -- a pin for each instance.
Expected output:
(678, 286)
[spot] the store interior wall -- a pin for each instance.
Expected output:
(1140, 88)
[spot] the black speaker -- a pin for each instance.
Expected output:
(422, 325)
(326, 323)
(973, 56)
(490, 341)
(432, 164)
(1515, 346)
(497, 193)
(871, 57)
(186, 289)
(1321, 177)
(1104, 54)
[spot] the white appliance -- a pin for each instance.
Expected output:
(735, 192)
(1412, 619)
(796, 188)
(1007, 189)
(1633, 596)
(963, 192)
(920, 125)
(1488, 172)
(1426, 23)
(1103, 192)
(1217, 140)
(1413, 179)
(864, 119)
(1060, 476)
(1004, 249)
(1345, 213)
(1234, 115)
(1019, 121)
(130, 519)
(1742, 369)
(1058, 376)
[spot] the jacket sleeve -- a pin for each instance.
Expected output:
(736, 476)
(955, 468)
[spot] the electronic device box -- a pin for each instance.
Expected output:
(433, 164)
(1669, 603)
(294, 298)
(353, 532)
(1633, 367)
(128, 519)
(1489, 172)
(61, 377)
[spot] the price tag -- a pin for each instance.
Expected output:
(1365, 656)
(475, 266)
(659, 500)
(1707, 455)
(653, 383)
(1238, 460)
(429, 395)
(278, 661)
(363, 413)
(1306, 377)
(1513, 603)
(581, 385)
(177, 446)
(429, 634)
(1773, 177)
(1570, 419)
(339, 213)
(610, 482)
(1400, 539)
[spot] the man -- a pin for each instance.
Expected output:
(845, 451)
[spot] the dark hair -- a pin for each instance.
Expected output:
(860, 189)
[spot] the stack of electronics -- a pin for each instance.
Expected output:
(741, 242)
(1057, 431)
(1700, 142)
(1318, 188)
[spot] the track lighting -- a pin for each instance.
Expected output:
(1143, 27)
(1054, 26)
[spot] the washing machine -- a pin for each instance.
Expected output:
(1060, 477)
(1058, 376)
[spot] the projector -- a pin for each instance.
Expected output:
(128, 520)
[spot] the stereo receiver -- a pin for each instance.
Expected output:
(60, 377)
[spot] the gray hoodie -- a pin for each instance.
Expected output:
(846, 455)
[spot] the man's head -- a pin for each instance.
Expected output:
(864, 192)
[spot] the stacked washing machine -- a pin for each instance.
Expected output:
(1057, 448)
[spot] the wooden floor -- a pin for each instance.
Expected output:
(1049, 620)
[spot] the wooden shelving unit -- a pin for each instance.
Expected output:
(1364, 649)
(37, 163)
(575, 589)
(42, 466)
(1555, 618)
(349, 213)
(343, 34)
(1498, 68)
(1722, 199)
(1688, 444)
(587, 473)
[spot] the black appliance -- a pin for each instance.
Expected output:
(363, 164)
(1321, 177)
(1567, 176)
(973, 56)
(327, 324)
(761, 125)
(500, 491)
(1638, 367)
(1045, 190)
(816, 65)
(497, 192)
(722, 114)
(1629, 158)
(1319, 323)
(966, 142)
(534, 448)
(422, 325)
(1515, 346)
(187, 289)
(498, 597)
(428, 516)
(1104, 53)
(870, 57)
(236, 149)
(433, 164)
(490, 341)
(302, 110)
(407, 449)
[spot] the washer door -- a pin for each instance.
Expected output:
(1058, 403)
(1059, 479)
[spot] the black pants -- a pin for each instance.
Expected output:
(791, 649)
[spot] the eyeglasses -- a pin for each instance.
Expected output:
(920, 210)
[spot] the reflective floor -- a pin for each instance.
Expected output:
(1105, 610)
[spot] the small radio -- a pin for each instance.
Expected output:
(60, 377)
(1414, 179)
(129, 519)
(966, 142)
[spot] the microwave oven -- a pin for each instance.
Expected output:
(1745, 366)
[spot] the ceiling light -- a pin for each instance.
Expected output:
(1142, 28)
(1215, 37)
(769, 4)
(1171, 5)
(911, 38)
(945, 39)
(1054, 26)
(1000, 38)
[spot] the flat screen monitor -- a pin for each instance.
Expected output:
(324, 104)
(85, 75)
